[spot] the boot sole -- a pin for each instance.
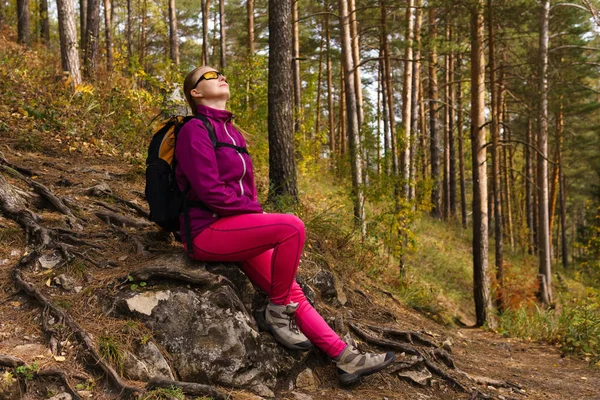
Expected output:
(349, 379)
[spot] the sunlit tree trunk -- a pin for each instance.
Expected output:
(461, 154)
(554, 182)
(545, 270)
(129, 32)
(496, 151)
(250, 16)
(296, 69)
(67, 30)
(387, 140)
(389, 93)
(407, 98)
(434, 144)
(205, 18)
(352, 119)
(416, 87)
(446, 130)
(282, 165)
(222, 38)
(332, 144)
(451, 145)
(378, 131)
(83, 21)
(173, 35)
(318, 105)
(23, 24)
(356, 59)
(342, 116)
(481, 285)
(143, 29)
(108, 21)
(508, 178)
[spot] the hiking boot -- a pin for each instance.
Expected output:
(353, 363)
(281, 322)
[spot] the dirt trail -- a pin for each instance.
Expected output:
(539, 369)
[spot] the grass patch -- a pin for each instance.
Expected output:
(110, 350)
(166, 394)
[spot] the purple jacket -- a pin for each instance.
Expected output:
(220, 178)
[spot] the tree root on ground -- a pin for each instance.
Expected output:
(54, 372)
(407, 336)
(110, 217)
(189, 388)
(103, 193)
(10, 361)
(196, 277)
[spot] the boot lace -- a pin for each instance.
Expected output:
(292, 322)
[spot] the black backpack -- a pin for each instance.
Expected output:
(166, 201)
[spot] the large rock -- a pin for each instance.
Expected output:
(209, 334)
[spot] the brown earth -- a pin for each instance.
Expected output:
(540, 369)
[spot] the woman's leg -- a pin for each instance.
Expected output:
(308, 319)
(242, 237)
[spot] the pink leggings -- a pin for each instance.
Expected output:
(269, 247)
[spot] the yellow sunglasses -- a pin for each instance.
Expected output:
(210, 75)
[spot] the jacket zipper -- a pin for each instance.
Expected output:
(239, 154)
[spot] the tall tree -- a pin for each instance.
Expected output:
(332, 145)
(205, 18)
(282, 165)
(481, 286)
(250, 17)
(82, 21)
(129, 33)
(415, 104)
(173, 35)
(92, 39)
(67, 31)
(222, 39)
(352, 119)
(44, 23)
(434, 145)
(407, 97)
(23, 25)
(542, 164)
(296, 68)
(108, 21)
(460, 136)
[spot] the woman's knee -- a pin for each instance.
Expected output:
(294, 223)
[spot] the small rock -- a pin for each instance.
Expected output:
(48, 261)
(447, 345)
(65, 282)
(62, 396)
(420, 377)
(301, 396)
(99, 190)
(84, 393)
(306, 380)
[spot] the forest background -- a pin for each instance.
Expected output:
(415, 131)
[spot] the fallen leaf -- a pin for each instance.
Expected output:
(15, 303)
(60, 358)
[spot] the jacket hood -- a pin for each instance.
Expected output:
(219, 115)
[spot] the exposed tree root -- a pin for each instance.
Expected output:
(196, 277)
(10, 361)
(189, 388)
(407, 336)
(63, 377)
(98, 192)
(25, 171)
(110, 217)
(482, 380)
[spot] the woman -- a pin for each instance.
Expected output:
(234, 228)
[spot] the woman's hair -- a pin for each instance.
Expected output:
(188, 85)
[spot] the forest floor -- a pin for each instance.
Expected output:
(539, 370)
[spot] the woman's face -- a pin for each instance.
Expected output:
(209, 88)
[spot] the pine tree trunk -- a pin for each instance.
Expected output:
(82, 22)
(129, 33)
(296, 69)
(379, 111)
(554, 182)
(250, 15)
(173, 35)
(387, 140)
(407, 98)
(282, 164)
(205, 11)
(67, 30)
(108, 20)
(434, 144)
(23, 24)
(142, 39)
(461, 154)
(318, 105)
(563, 216)
(508, 178)
(2, 14)
(416, 87)
(529, 200)
(44, 24)
(542, 165)
(496, 173)
(356, 58)
(446, 131)
(423, 122)
(332, 144)
(481, 286)
(223, 38)
(389, 91)
(352, 119)
(342, 116)
(92, 39)
(451, 146)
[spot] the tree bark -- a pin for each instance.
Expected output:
(67, 30)
(92, 39)
(282, 164)
(542, 164)
(142, 37)
(23, 24)
(223, 38)
(356, 58)
(563, 216)
(205, 11)
(387, 139)
(44, 24)
(407, 98)
(529, 200)
(129, 33)
(496, 173)
(108, 20)
(436, 202)
(554, 182)
(318, 105)
(173, 35)
(352, 119)
(2, 14)
(389, 93)
(451, 146)
(332, 145)
(508, 181)
(461, 154)
(250, 14)
(82, 22)
(416, 89)
(481, 286)
(296, 69)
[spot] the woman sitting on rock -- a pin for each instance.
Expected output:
(234, 228)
